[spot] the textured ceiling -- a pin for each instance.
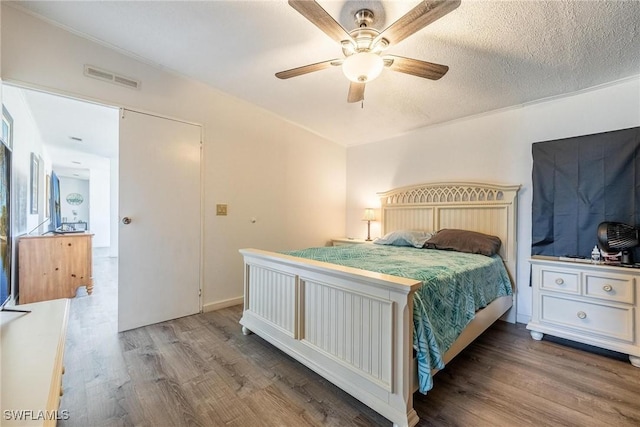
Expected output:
(500, 53)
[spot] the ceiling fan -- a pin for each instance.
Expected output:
(363, 47)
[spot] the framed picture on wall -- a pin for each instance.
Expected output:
(47, 196)
(7, 128)
(35, 183)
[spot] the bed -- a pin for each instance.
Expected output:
(355, 327)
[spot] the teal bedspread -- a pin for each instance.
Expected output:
(455, 286)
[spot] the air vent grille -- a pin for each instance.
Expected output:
(108, 76)
(126, 82)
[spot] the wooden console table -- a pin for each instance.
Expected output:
(53, 266)
(32, 352)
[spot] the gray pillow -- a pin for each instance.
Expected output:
(464, 241)
(415, 238)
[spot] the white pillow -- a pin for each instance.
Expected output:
(415, 238)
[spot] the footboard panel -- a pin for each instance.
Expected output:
(352, 327)
(272, 296)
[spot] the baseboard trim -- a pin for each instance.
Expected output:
(523, 318)
(217, 305)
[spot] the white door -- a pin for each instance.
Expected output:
(160, 220)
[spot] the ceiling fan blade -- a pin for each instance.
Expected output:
(427, 70)
(416, 19)
(356, 92)
(294, 72)
(321, 19)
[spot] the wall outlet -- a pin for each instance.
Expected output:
(221, 210)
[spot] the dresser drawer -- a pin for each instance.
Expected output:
(559, 280)
(611, 287)
(604, 320)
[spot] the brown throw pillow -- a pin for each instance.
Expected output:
(464, 241)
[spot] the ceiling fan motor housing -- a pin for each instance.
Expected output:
(364, 36)
(364, 18)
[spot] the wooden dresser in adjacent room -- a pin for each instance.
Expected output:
(53, 266)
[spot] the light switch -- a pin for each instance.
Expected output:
(221, 210)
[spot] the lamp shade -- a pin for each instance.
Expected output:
(369, 215)
(362, 67)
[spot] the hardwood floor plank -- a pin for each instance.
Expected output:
(214, 400)
(135, 339)
(152, 401)
(566, 387)
(479, 387)
(559, 379)
(276, 409)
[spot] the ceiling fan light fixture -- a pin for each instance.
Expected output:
(362, 67)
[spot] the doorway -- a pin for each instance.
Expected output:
(59, 130)
(77, 142)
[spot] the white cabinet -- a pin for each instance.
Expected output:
(32, 354)
(594, 304)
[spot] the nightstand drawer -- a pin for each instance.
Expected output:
(604, 320)
(556, 280)
(610, 287)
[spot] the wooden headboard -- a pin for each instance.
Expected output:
(481, 207)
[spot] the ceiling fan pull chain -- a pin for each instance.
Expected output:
(362, 105)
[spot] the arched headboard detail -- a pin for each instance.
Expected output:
(481, 207)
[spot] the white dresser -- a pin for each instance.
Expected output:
(594, 304)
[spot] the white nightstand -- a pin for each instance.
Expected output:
(339, 241)
(594, 304)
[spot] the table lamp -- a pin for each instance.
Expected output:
(369, 215)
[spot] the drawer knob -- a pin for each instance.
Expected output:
(607, 288)
(582, 315)
(559, 281)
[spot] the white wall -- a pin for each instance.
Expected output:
(494, 147)
(262, 166)
(100, 204)
(113, 207)
(74, 213)
(26, 140)
(96, 209)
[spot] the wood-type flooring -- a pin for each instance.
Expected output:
(201, 371)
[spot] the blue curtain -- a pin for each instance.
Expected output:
(580, 182)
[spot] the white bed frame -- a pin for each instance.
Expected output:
(354, 327)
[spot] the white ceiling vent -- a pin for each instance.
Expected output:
(108, 76)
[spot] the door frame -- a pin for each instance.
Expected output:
(98, 101)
